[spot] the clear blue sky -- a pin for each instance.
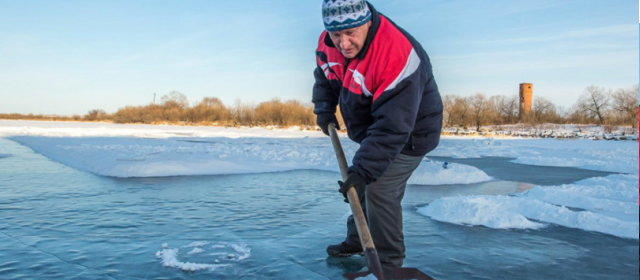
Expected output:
(68, 57)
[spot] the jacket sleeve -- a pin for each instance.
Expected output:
(325, 98)
(394, 113)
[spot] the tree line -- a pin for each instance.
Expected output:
(174, 108)
(596, 105)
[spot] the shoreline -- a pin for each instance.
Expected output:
(10, 127)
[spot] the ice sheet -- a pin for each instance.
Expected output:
(607, 205)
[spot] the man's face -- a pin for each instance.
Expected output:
(350, 41)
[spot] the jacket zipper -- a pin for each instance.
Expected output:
(346, 66)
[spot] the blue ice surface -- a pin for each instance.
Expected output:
(60, 223)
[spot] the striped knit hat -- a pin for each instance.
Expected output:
(344, 14)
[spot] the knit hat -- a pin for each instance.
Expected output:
(344, 14)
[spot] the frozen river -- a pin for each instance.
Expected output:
(60, 218)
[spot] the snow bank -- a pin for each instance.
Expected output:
(549, 130)
(93, 129)
(607, 205)
(223, 254)
(144, 157)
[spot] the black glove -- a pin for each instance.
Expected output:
(354, 180)
(324, 119)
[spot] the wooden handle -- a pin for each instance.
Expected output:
(352, 194)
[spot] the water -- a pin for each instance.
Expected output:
(60, 223)
(503, 168)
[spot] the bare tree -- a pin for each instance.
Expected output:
(544, 111)
(243, 113)
(563, 114)
(459, 112)
(174, 99)
(496, 103)
(577, 115)
(448, 102)
(173, 106)
(506, 108)
(624, 103)
(594, 103)
(479, 109)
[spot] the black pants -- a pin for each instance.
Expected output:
(381, 204)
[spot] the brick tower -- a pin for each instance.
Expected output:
(526, 97)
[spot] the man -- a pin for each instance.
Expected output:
(382, 80)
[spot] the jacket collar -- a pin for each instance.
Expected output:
(373, 29)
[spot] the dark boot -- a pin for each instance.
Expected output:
(344, 250)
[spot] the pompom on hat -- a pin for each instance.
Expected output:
(344, 14)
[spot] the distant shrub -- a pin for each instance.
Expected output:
(16, 116)
(174, 108)
(96, 115)
(209, 110)
(129, 114)
(276, 112)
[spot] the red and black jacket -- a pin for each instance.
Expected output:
(387, 94)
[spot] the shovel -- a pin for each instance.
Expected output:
(371, 255)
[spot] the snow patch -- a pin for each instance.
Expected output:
(442, 173)
(169, 258)
(606, 205)
(490, 211)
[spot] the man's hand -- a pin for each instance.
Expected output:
(354, 180)
(324, 119)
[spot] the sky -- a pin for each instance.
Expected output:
(67, 57)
